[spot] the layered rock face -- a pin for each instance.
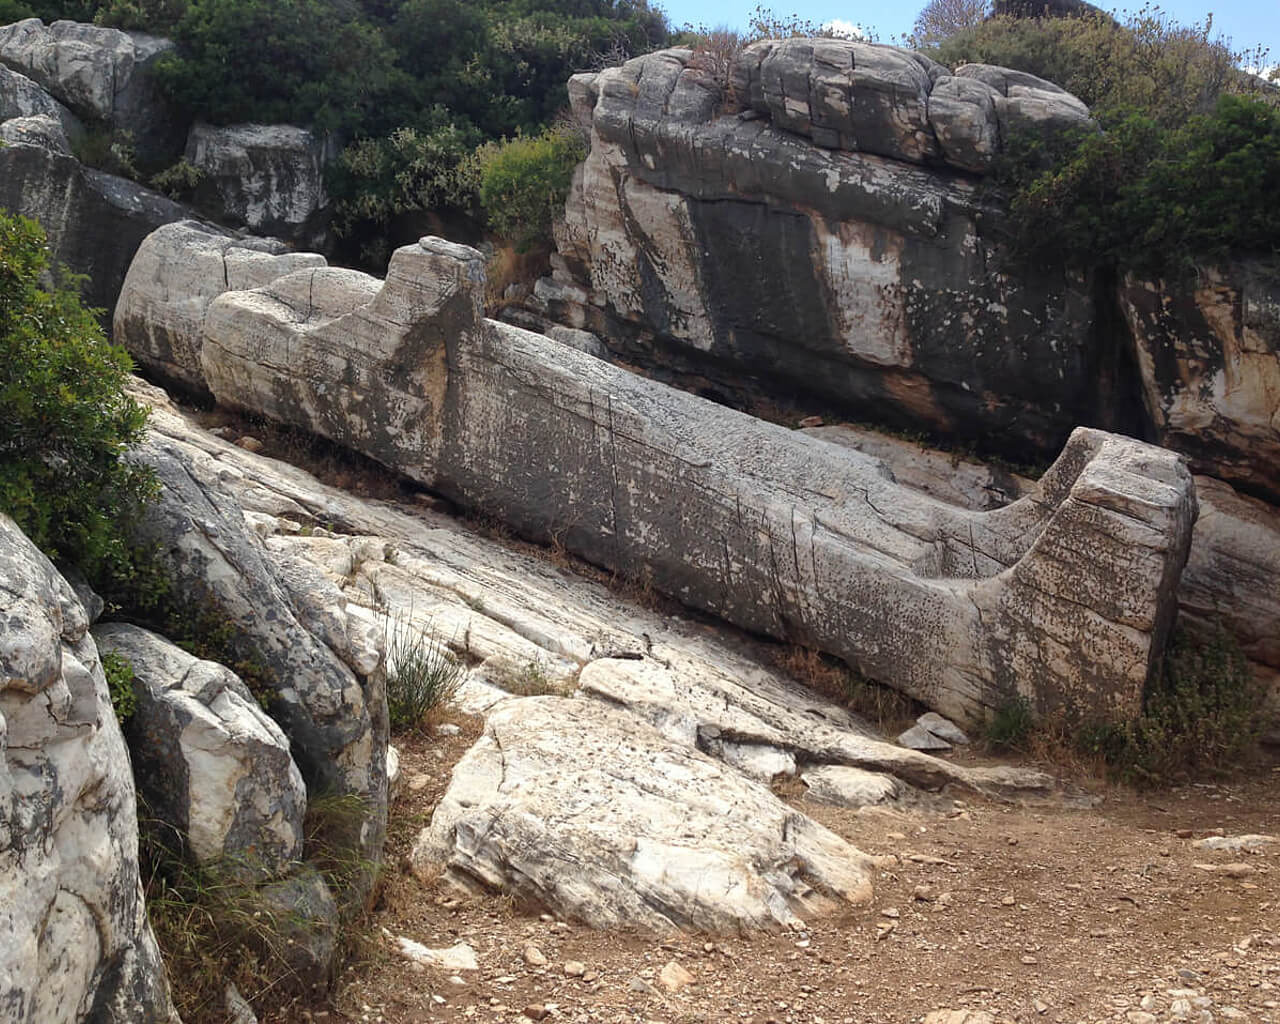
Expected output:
(1065, 596)
(829, 240)
(1209, 353)
(76, 942)
(99, 73)
(268, 178)
(816, 230)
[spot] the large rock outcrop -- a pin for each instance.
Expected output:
(1065, 596)
(831, 240)
(818, 230)
(266, 177)
(1209, 353)
(73, 929)
(99, 73)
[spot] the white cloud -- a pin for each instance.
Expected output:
(846, 29)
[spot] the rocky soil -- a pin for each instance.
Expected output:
(1118, 912)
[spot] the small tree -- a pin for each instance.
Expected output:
(65, 417)
(941, 19)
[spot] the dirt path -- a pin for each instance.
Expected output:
(1027, 914)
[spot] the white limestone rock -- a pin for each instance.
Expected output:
(99, 73)
(73, 928)
(208, 759)
(582, 808)
(178, 271)
(844, 786)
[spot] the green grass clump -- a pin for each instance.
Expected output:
(423, 676)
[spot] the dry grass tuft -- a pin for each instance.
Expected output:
(885, 708)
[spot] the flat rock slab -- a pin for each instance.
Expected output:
(597, 816)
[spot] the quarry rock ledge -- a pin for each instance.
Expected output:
(1064, 596)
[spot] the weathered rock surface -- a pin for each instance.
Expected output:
(335, 720)
(73, 929)
(1065, 595)
(21, 97)
(208, 759)
(1231, 572)
(39, 130)
(704, 693)
(177, 272)
(99, 73)
(834, 244)
(1210, 361)
(269, 178)
(850, 787)
(95, 221)
(584, 809)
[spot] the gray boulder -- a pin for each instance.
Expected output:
(99, 73)
(21, 97)
(74, 931)
(95, 221)
(208, 759)
(268, 178)
(39, 130)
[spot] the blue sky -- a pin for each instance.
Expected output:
(1246, 22)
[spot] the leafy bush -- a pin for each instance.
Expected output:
(411, 170)
(524, 182)
(1202, 715)
(1151, 199)
(1011, 725)
(179, 180)
(119, 673)
(1147, 64)
(65, 417)
(422, 676)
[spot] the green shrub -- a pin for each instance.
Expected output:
(1147, 64)
(524, 182)
(1011, 725)
(178, 181)
(1200, 716)
(1151, 199)
(411, 170)
(120, 684)
(422, 676)
(66, 419)
(14, 10)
